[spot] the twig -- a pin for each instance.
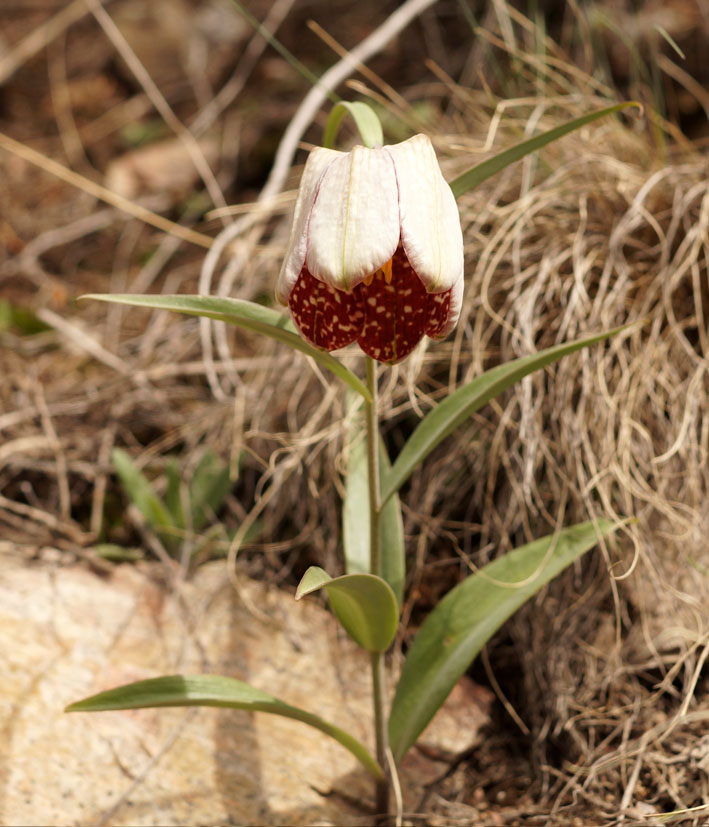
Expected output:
(154, 761)
(158, 100)
(329, 81)
(40, 36)
(91, 187)
(248, 60)
(84, 341)
(59, 455)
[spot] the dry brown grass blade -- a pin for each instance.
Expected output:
(158, 101)
(39, 37)
(92, 188)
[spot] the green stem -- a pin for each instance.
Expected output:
(380, 729)
(375, 496)
(375, 567)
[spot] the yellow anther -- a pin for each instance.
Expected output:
(384, 270)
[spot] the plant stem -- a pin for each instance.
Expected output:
(375, 497)
(375, 567)
(380, 729)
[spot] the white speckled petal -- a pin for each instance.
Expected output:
(430, 224)
(456, 304)
(354, 223)
(318, 161)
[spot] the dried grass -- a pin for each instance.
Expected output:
(606, 668)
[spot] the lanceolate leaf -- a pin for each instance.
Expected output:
(241, 313)
(140, 491)
(477, 174)
(214, 690)
(355, 521)
(468, 616)
(207, 489)
(368, 124)
(173, 499)
(456, 408)
(364, 604)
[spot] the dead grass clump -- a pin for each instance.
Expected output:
(612, 655)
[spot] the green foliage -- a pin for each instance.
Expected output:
(367, 122)
(364, 604)
(356, 525)
(244, 314)
(462, 403)
(468, 616)
(140, 133)
(202, 496)
(480, 172)
(218, 691)
(141, 493)
(20, 319)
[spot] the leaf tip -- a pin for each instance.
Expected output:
(313, 579)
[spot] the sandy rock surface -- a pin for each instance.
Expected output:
(67, 633)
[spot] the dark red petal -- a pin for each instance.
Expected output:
(394, 314)
(439, 306)
(326, 317)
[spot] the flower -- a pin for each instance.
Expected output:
(375, 253)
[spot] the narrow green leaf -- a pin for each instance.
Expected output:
(285, 53)
(368, 124)
(248, 315)
(116, 553)
(141, 492)
(215, 690)
(355, 521)
(208, 488)
(468, 616)
(364, 604)
(22, 319)
(173, 498)
(480, 172)
(456, 408)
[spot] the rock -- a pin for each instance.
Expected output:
(68, 633)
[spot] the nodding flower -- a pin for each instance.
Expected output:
(375, 253)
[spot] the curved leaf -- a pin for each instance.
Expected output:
(468, 616)
(244, 314)
(355, 521)
(364, 604)
(173, 497)
(141, 492)
(208, 488)
(215, 690)
(456, 408)
(368, 124)
(477, 174)
(313, 579)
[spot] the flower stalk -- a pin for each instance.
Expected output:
(375, 504)
(375, 567)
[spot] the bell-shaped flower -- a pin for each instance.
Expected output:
(376, 251)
